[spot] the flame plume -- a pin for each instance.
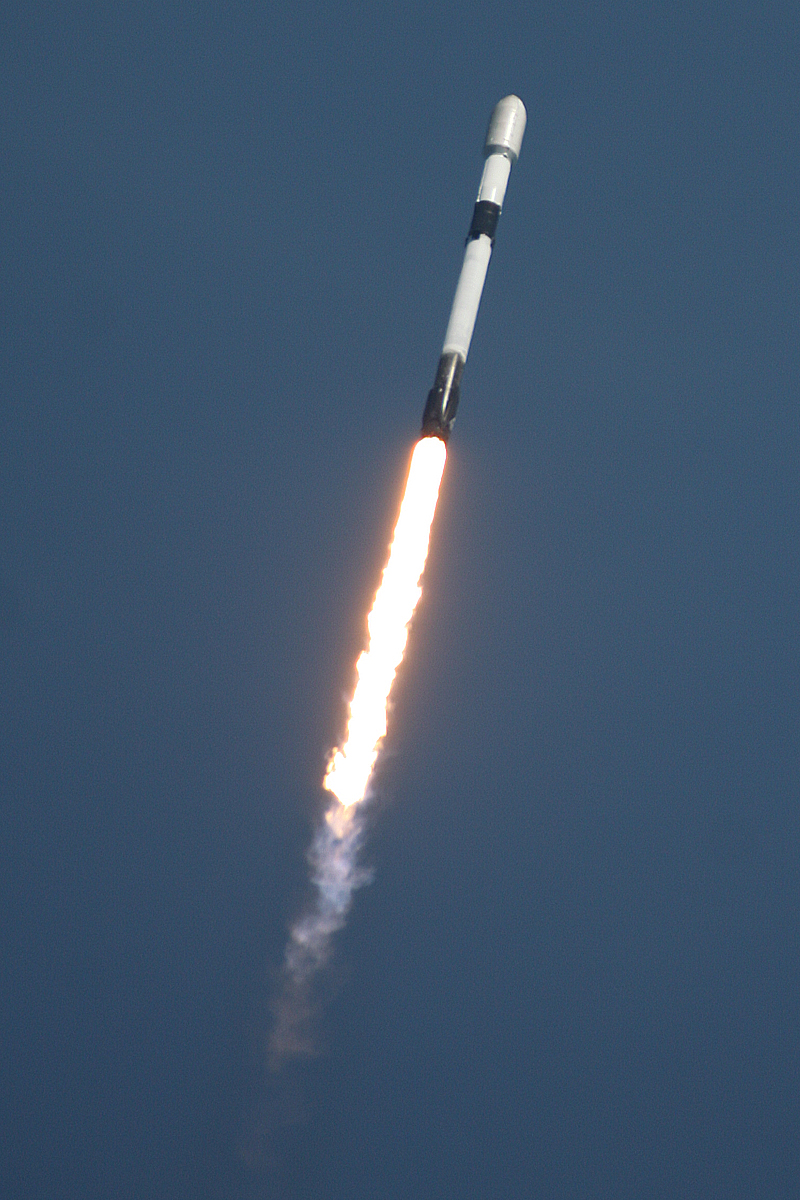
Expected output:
(334, 851)
(351, 766)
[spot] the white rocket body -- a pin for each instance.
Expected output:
(501, 150)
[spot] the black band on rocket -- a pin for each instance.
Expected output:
(440, 410)
(484, 220)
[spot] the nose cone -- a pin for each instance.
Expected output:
(506, 127)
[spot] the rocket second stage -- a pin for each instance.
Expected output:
(503, 142)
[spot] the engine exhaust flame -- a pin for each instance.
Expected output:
(351, 766)
(334, 851)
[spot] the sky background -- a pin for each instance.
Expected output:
(231, 234)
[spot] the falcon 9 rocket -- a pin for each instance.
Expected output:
(501, 150)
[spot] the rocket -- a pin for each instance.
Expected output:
(501, 151)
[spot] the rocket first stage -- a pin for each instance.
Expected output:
(501, 151)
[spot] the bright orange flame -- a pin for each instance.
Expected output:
(351, 766)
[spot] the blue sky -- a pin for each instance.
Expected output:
(231, 237)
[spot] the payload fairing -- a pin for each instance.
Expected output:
(503, 142)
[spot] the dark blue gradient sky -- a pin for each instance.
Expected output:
(231, 234)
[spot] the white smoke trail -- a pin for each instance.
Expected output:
(334, 852)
